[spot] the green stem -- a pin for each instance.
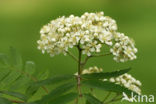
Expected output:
(70, 54)
(79, 71)
(96, 55)
(79, 60)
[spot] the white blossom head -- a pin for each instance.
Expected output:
(127, 81)
(90, 31)
(90, 70)
(123, 48)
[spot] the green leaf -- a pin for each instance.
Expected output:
(15, 58)
(15, 94)
(32, 89)
(3, 74)
(105, 75)
(4, 101)
(11, 77)
(107, 86)
(64, 99)
(53, 80)
(57, 92)
(4, 59)
(30, 67)
(87, 102)
(43, 75)
(24, 79)
(91, 99)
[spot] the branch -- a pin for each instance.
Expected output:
(96, 55)
(70, 54)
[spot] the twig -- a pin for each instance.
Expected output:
(70, 54)
(96, 55)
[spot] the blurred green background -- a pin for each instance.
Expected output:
(21, 21)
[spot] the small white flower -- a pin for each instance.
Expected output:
(112, 80)
(92, 70)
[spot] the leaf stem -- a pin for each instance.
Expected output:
(70, 54)
(96, 55)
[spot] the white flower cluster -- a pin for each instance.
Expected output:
(94, 69)
(90, 31)
(125, 80)
(90, 70)
(123, 48)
